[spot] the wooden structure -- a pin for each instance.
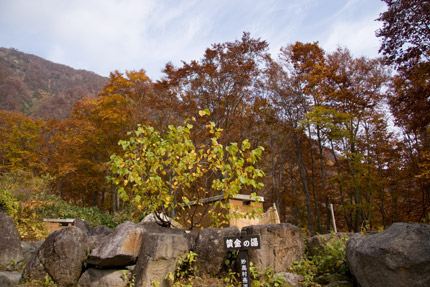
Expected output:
(56, 224)
(196, 213)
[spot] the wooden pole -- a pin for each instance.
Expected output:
(332, 217)
(277, 217)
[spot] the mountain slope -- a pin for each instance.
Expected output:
(42, 89)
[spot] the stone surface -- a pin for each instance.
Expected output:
(151, 218)
(29, 249)
(119, 249)
(97, 234)
(291, 279)
(159, 255)
(281, 245)
(61, 257)
(211, 251)
(100, 230)
(105, 278)
(9, 279)
(10, 243)
(399, 256)
(82, 224)
(317, 243)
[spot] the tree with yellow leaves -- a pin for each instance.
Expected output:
(157, 173)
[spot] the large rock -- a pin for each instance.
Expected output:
(281, 245)
(60, 257)
(399, 256)
(119, 249)
(82, 224)
(10, 243)
(29, 249)
(9, 279)
(105, 278)
(160, 253)
(97, 234)
(211, 253)
(100, 231)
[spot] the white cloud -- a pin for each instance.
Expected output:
(357, 34)
(103, 35)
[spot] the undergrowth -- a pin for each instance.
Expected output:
(328, 264)
(27, 199)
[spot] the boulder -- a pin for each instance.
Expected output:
(119, 249)
(159, 255)
(97, 234)
(105, 278)
(317, 243)
(29, 249)
(281, 245)
(399, 256)
(9, 279)
(211, 253)
(61, 257)
(10, 243)
(100, 231)
(82, 224)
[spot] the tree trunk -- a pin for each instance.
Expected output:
(348, 221)
(323, 176)
(314, 192)
(304, 182)
(113, 191)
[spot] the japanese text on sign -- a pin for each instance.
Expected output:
(242, 243)
(244, 268)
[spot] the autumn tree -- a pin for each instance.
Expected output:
(406, 32)
(309, 63)
(288, 96)
(355, 87)
(406, 45)
(20, 143)
(330, 102)
(85, 141)
(223, 81)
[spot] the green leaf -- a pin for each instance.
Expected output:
(204, 112)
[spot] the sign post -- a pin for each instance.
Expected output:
(243, 243)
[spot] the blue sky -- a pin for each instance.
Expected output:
(105, 35)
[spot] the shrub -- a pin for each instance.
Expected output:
(8, 202)
(185, 271)
(165, 171)
(319, 269)
(15, 188)
(54, 207)
(266, 279)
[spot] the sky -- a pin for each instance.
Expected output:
(106, 35)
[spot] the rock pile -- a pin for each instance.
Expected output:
(141, 253)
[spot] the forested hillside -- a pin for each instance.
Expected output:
(321, 117)
(41, 89)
